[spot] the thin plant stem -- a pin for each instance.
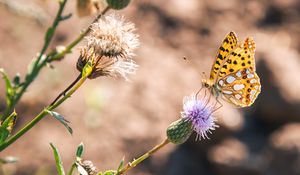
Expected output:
(49, 57)
(72, 169)
(57, 56)
(135, 162)
(41, 115)
(66, 90)
(37, 67)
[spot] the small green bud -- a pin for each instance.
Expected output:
(117, 4)
(80, 149)
(179, 131)
(87, 69)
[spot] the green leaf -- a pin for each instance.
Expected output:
(4, 133)
(121, 165)
(49, 34)
(58, 161)
(16, 80)
(7, 126)
(110, 172)
(30, 69)
(68, 16)
(10, 92)
(117, 4)
(10, 121)
(8, 159)
(79, 150)
(61, 119)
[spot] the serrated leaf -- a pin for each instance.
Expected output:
(49, 33)
(81, 170)
(10, 92)
(58, 162)
(8, 159)
(61, 119)
(80, 149)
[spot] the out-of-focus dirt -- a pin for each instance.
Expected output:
(114, 118)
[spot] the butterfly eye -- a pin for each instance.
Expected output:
(206, 85)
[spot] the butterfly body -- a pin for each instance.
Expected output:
(233, 75)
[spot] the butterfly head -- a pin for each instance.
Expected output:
(207, 83)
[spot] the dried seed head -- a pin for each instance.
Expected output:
(88, 166)
(109, 48)
(113, 37)
(106, 66)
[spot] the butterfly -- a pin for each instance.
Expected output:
(233, 75)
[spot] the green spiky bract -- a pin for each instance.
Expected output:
(179, 131)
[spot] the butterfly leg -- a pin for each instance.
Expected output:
(207, 99)
(217, 103)
(196, 96)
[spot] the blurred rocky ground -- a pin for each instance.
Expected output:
(114, 118)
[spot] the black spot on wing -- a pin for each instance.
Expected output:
(220, 56)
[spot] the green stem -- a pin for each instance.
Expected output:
(57, 56)
(41, 115)
(72, 169)
(135, 162)
(37, 67)
(66, 90)
(69, 93)
(48, 37)
(50, 57)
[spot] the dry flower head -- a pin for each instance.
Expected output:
(110, 47)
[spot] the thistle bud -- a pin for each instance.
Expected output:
(179, 131)
(117, 4)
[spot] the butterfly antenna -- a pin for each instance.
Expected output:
(204, 75)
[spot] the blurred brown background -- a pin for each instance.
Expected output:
(114, 118)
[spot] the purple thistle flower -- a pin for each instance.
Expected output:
(199, 112)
